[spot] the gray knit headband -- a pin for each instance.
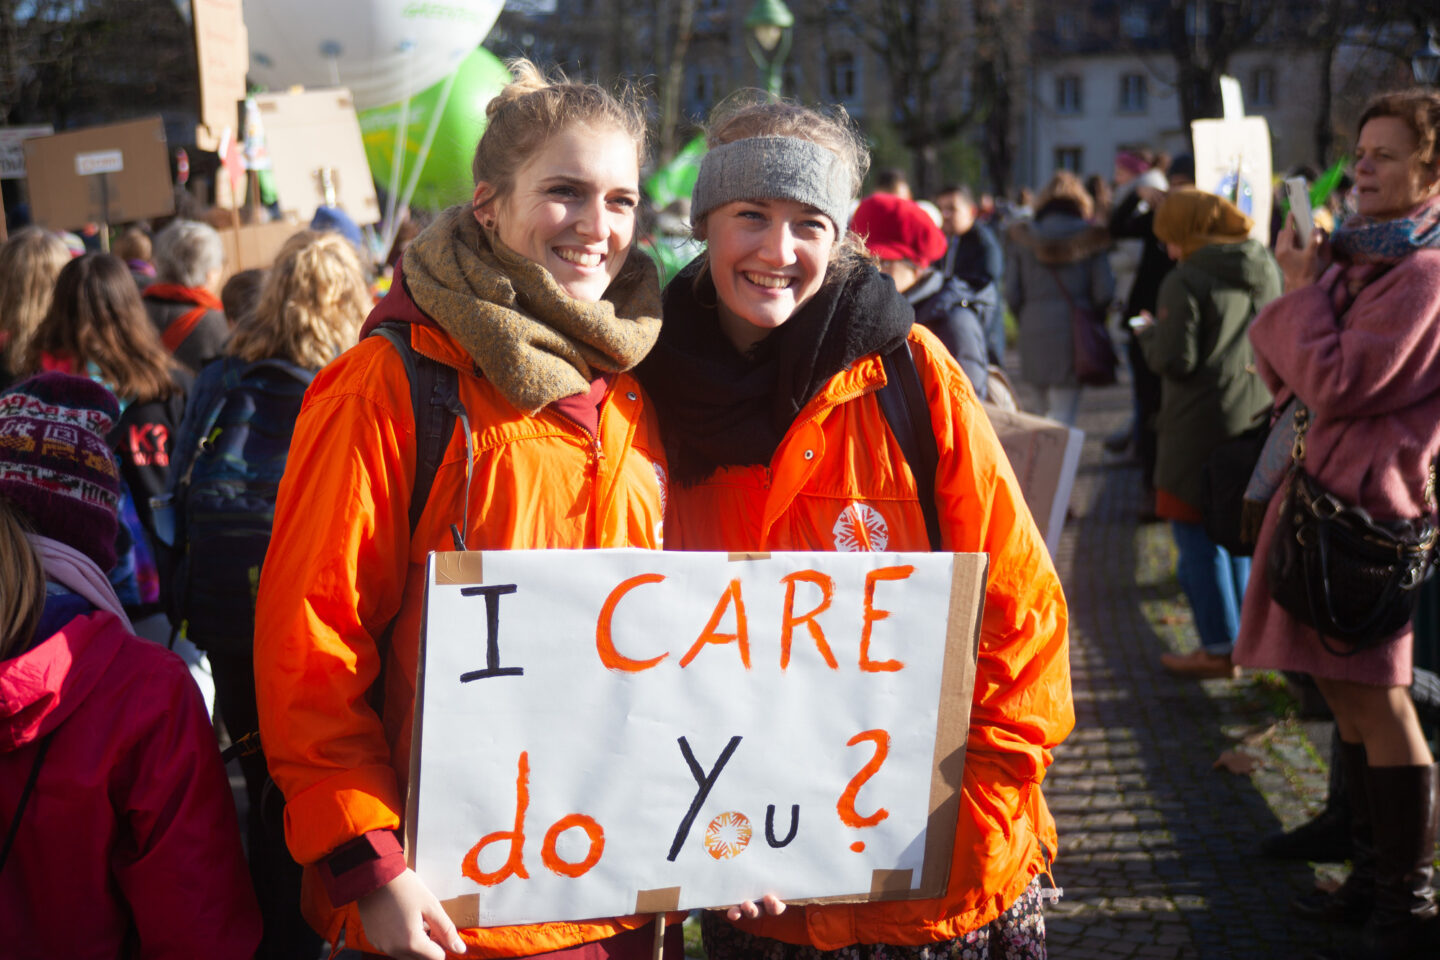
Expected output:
(773, 168)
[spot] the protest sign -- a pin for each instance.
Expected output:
(114, 173)
(1232, 160)
(12, 148)
(1045, 455)
(316, 154)
(607, 732)
(222, 52)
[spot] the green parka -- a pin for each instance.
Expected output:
(1199, 347)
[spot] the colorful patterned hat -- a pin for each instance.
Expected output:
(55, 464)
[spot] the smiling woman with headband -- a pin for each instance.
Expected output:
(531, 295)
(776, 343)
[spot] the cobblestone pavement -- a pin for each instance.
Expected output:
(1156, 844)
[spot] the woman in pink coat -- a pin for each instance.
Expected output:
(118, 835)
(1358, 342)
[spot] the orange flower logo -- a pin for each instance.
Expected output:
(727, 835)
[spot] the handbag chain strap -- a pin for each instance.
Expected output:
(1297, 453)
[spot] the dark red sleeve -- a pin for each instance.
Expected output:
(362, 866)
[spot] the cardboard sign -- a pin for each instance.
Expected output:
(607, 732)
(126, 175)
(12, 149)
(254, 245)
(1045, 455)
(313, 141)
(222, 50)
(1232, 160)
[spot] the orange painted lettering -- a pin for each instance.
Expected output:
(789, 622)
(605, 642)
(564, 867)
(846, 806)
(741, 636)
(515, 863)
(872, 615)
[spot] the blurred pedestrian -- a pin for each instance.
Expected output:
(184, 301)
(136, 249)
(1196, 343)
(29, 263)
(1057, 267)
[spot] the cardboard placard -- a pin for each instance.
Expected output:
(1045, 455)
(115, 173)
(258, 244)
(313, 136)
(12, 148)
(607, 732)
(222, 50)
(1232, 160)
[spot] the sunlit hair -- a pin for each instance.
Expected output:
(1418, 109)
(22, 583)
(97, 319)
(186, 252)
(29, 263)
(533, 108)
(753, 113)
(133, 244)
(312, 305)
(1066, 186)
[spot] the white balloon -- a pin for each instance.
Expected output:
(383, 50)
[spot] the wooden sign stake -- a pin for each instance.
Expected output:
(659, 951)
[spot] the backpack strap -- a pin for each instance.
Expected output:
(25, 797)
(435, 399)
(181, 327)
(900, 399)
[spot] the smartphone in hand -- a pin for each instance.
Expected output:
(1298, 193)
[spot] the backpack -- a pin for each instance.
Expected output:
(223, 504)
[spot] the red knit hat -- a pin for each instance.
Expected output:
(55, 464)
(898, 229)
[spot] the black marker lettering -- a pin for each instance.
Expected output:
(705, 782)
(492, 596)
(770, 825)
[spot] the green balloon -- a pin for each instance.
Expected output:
(445, 178)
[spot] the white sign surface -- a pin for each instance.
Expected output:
(1232, 160)
(99, 161)
(604, 733)
(12, 150)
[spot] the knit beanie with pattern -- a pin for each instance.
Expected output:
(55, 464)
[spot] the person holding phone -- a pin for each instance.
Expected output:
(1209, 392)
(1356, 338)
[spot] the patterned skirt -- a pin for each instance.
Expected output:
(1017, 934)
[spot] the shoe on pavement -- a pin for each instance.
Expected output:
(1326, 839)
(1199, 665)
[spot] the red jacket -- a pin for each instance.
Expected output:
(130, 834)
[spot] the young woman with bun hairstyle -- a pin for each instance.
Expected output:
(532, 294)
(765, 380)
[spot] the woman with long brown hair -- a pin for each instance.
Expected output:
(29, 263)
(97, 327)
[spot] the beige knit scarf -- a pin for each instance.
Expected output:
(529, 337)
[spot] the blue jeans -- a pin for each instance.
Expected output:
(1214, 583)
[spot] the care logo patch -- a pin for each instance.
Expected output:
(861, 528)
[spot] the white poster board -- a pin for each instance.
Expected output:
(12, 148)
(1232, 160)
(608, 732)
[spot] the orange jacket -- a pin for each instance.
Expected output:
(838, 481)
(342, 564)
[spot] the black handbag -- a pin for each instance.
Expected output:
(1333, 567)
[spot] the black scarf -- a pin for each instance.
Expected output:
(718, 407)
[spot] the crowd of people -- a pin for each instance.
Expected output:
(238, 470)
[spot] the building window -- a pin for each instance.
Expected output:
(1132, 93)
(1262, 87)
(1068, 94)
(1067, 27)
(840, 76)
(1135, 22)
(704, 89)
(1069, 158)
(1197, 20)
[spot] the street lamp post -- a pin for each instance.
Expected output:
(770, 25)
(1425, 64)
